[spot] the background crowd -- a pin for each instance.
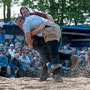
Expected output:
(17, 60)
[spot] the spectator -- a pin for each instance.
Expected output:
(29, 54)
(82, 59)
(14, 64)
(11, 50)
(8, 56)
(88, 48)
(74, 51)
(4, 64)
(6, 46)
(24, 60)
(16, 43)
(24, 65)
(1, 48)
(88, 59)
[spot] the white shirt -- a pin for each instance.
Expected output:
(33, 22)
(11, 52)
(24, 59)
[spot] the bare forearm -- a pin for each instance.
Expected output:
(37, 30)
(29, 40)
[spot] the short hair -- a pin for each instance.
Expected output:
(19, 18)
(23, 8)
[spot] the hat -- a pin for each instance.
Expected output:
(11, 45)
(83, 52)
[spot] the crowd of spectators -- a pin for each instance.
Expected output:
(83, 53)
(17, 60)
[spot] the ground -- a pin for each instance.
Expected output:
(79, 83)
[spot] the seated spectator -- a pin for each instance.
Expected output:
(6, 46)
(74, 51)
(14, 64)
(36, 65)
(82, 59)
(30, 55)
(4, 64)
(24, 60)
(16, 41)
(1, 48)
(11, 50)
(25, 65)
(8, 56)
(88, 59)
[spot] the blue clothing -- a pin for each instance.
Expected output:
(3, 61)
(14, 63)
(31, 57)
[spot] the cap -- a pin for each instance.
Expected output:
(11, 45)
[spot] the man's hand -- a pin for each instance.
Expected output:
(37, 30)
(31, 46)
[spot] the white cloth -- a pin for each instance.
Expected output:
(24, 59)
(11, 52)
(32, 22)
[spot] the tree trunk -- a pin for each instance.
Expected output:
(9, 10)
(4, 10)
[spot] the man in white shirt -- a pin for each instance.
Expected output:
(11, 50)
(24, 60)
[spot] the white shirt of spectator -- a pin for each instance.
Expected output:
(11, 52)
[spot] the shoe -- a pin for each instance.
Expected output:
(52, 67)
(44, 73)
(74, 61)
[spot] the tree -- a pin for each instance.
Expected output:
(63, 11)
(6, 9)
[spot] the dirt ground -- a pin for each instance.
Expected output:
(79, 83)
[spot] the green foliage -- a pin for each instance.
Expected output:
(64, 12)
